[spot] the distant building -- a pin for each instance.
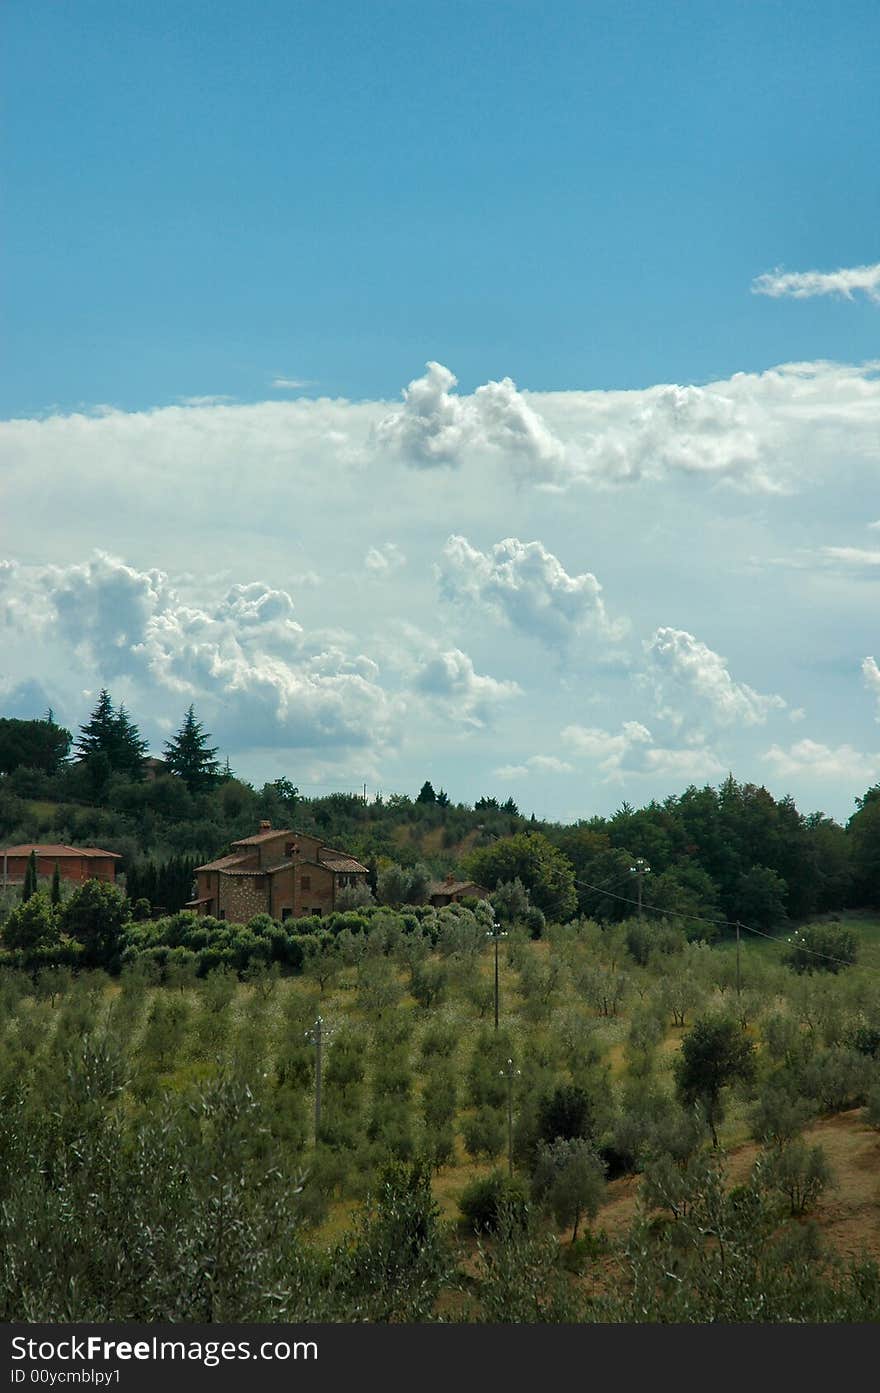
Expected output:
(452, 891)
(278, 872)
(76, 863)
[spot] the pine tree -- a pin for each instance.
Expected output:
(113, 734)
(98, 735)
(191, 757)
(56, 885)
(130, 749)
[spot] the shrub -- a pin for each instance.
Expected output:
(493, 1202)
(822, 948)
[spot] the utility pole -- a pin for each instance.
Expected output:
(509, 1073)
(639, 869)
(496, 933)
(317, 1037)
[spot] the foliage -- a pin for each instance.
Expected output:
(822, 948)
(40, 745)
(32, 924)
(714, 1054)
(568, 1181)
(493, 1202)
(96, 916)
(533, 860)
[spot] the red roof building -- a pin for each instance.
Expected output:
(76, 863)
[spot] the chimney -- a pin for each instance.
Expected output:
(265, 827)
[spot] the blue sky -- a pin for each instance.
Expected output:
(209, 200)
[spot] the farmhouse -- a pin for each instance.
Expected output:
(452, 891)
(77, 863)
(279, 872)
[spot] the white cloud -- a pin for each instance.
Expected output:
(290, 384)
(526, 585)
(243, 655)
(852, 558)
(871, 674)
(384, 559)
(632, 752)
(436, 426)
(690, 666)
(450, 680)
(809, 758)
(803, 285)
(540, 764)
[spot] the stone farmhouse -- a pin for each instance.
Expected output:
(76, 863)
(279, 872)
(452, 891)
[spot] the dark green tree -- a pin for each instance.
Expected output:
(96, 915)
(31, 925)
(426, 793)
(56, 886)
(759, 898)
(716, 1052)
(33, 745)
(191, 757)
(568, 1181)
(110, 735)
(129, 749)
(544, 871)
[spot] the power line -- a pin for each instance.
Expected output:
(718, 922)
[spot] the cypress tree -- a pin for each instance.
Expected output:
(30, 878)
(56, 885)
(191, 757)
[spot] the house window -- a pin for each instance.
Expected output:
(317, 911)
(221, 913)
(286, 913)
(306, 883)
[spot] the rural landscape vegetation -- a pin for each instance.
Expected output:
(638, 1081)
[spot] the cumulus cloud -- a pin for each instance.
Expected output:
(527, 586)
(632, 752)
(290, 384)
(536, 764)
(242, 656)
(871, 674)
(688, 665)
(385, 559)
(809, 758)
(844, 283)
(436, 426)
(465, 695)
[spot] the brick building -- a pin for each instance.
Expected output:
(77, 863)
(279, 872)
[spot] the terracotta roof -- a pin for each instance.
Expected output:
(223, 863)
(454, 887)
(57, 851)
(259, 837)
(191, 904)
(338, 861)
